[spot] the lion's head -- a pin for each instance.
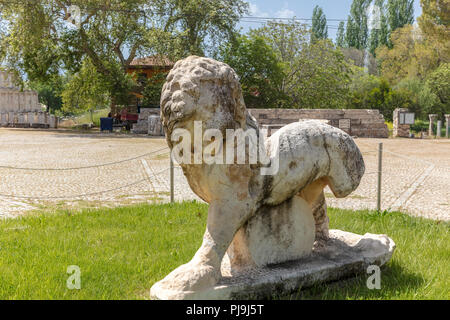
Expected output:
(203, 89)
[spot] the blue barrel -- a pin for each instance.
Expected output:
(106, 124)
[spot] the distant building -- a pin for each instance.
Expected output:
(21, 108)
(142, 70)
(12, 99)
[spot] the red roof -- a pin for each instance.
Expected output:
(152, 61)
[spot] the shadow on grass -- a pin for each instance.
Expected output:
(396, 282)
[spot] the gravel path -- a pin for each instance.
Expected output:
(93, 170)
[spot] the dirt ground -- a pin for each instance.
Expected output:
(67, 169)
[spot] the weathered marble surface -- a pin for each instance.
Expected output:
(344, 255)
(246, 204)
(275, 234)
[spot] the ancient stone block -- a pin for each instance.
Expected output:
(155, 126)
(42, 120)
(4, 119)
(12, 118)
(52, 121)
(360, 120)
(22, 118)
(31, 118)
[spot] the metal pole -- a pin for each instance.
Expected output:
(380, 169)
(172, 197)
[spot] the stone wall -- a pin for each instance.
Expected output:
(357, 122)
(28, 120)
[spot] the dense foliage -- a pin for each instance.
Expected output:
(380, 60)
(152, 90)
(40, 41)
(261, 73)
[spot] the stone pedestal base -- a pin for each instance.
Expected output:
(344, 255)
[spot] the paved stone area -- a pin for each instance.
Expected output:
(66, 169)
(415, 179)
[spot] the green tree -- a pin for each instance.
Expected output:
(439, 83)
(319, 24)
(400, 13)
(400, 98)
(379, 36)
(361, 58)
(357, 29)
(340, 36)
(422, 100)
(315, 73)
(435, 24)
(369, 92)
(260, 72)
(50, 92)
(152, 90)
(411, 55)
(201, 24)
(85, 90)
(38, 41)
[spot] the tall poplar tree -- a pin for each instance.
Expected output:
(400, 13)
(319, 24)
(357, 30)
(340, 37)
(379, 35)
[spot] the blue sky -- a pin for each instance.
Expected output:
(334, 9)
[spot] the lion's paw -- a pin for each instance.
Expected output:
(191, 277)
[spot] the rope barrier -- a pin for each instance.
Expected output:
(81, 195)
(86, 167)
(145, 179)
(73, 196)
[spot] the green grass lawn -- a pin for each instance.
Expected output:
(121, 252)
(86, 117)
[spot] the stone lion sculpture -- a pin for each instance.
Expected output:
(259, 219)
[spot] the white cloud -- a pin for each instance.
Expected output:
(256, 12)
(285, 13)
